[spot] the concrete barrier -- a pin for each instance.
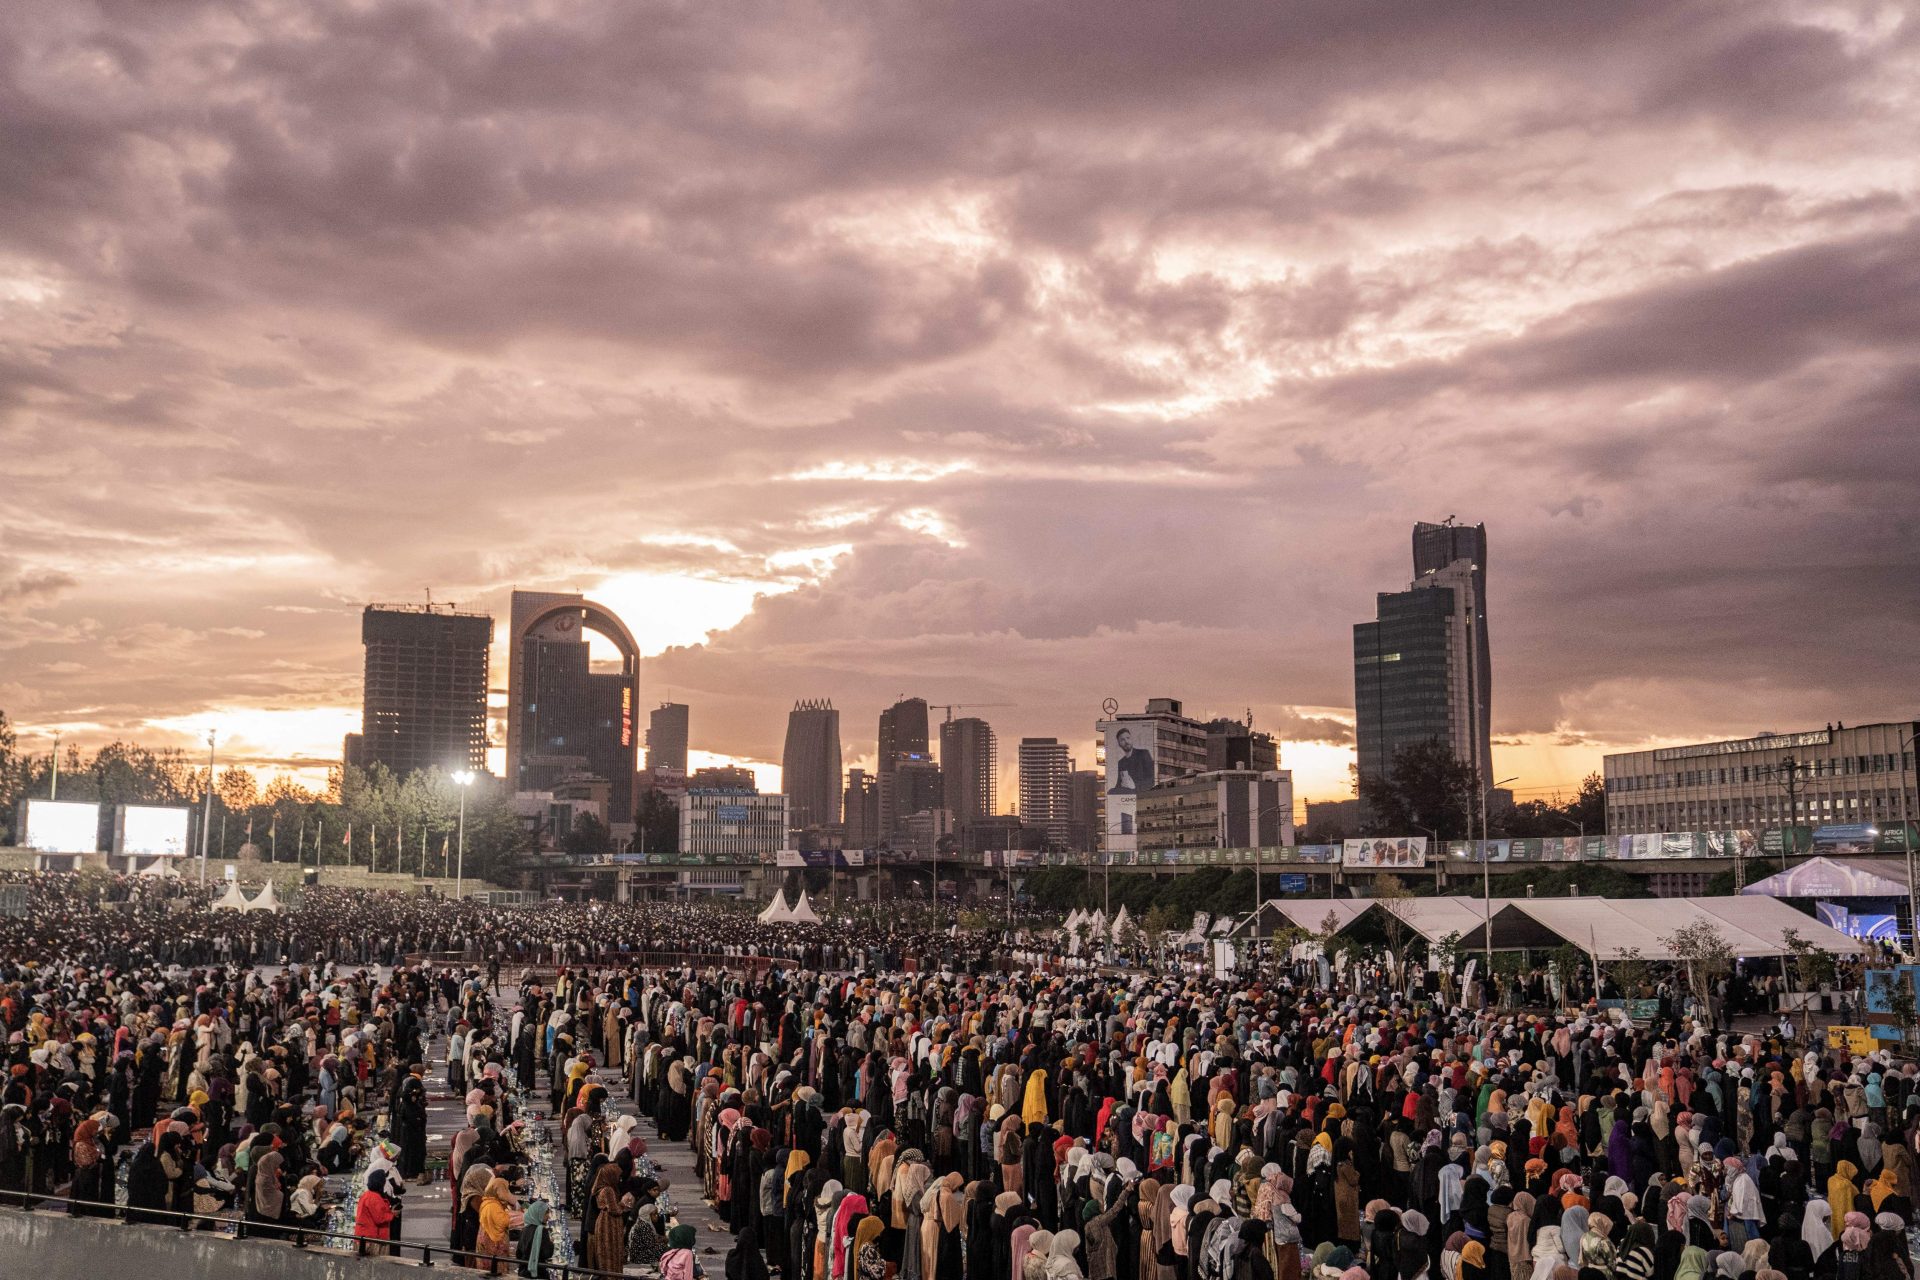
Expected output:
(53, 1246)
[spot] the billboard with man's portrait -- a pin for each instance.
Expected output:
(1131, 767)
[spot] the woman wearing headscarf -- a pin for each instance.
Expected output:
(269, 1193)
(1636, 1260)
(677, 1262)
(494, 1241)
(866, 1261)
(607, 1239)
(942, 1229)
(1816, 1228)
(1841, 1194)
(746, 1260)
(536, 1242)
(373, 1212)
(89, 1165)
(1520, 1236)
(1473, 1261)
(1547, 1253)
(1597, 1253)
(1573, 1231)
(1887, 1249)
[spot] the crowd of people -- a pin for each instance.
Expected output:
(864, 1103)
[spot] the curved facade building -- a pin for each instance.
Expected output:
(565, 719)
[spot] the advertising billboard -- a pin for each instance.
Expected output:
(1130, 774)
(1385, 852)
(60, 826)
(150, 831)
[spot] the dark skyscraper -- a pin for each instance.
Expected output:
(1420, 668)
(861, 811)
(903, 736)
(667, 737)
(969, 758)
(1435, 548)
(810, 765)
(424, 703)
(565, 719)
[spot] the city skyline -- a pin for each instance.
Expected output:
(1122, 381)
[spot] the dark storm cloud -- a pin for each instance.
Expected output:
(1022, 353)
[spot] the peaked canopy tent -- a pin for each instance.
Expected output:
(1302, 913)
(267, 901)
(1644, 928)
(802, 912)
(1825, 877)
(1436, 919)
(776, 910)
(232, 899)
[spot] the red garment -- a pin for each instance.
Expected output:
(373, 1217)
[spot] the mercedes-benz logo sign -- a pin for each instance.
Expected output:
(1110, 707)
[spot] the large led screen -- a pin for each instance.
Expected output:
(148, 831)
(62, 826)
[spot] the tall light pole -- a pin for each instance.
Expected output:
(464, 777)
(1906, 843)
(206, 812)
(1486, 879)
(53, 783)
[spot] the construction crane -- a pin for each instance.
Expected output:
(951, 707)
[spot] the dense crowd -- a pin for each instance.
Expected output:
(971, 1116)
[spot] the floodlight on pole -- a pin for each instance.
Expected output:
(1486, 882)
(464, 777)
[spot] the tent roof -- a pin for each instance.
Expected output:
(776, 910)
(1437, 918)
(1305, 913)
(802, 912)
(1825, 877)
(267, 901)
(1613, 930)
(232, 899)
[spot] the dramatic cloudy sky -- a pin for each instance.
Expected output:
(998, 352)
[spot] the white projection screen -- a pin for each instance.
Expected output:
(62, 826)
(151, 831)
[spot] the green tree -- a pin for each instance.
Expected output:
(1426, 788)
(656, 823)
(1703, 949)
(588, 835)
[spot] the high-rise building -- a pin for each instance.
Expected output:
(969, 761)
(424, 703)
(917, 787)
(667, 737)
(1233, 745)
(1083, 809)
(861, 809)
(1420, 668)
(810, 765)
(564, 719)
(1435, 548)
(903, 736)
(1045, 799)
(721, 777)
(1139, 750)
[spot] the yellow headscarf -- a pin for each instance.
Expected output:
(1034, 1109)
(796, 1161)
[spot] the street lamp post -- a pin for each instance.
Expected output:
(1486, 880)
(465, 778)
(206, 812)
(1906, 843)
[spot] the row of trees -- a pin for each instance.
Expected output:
(1428, 789)
(366, 817)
